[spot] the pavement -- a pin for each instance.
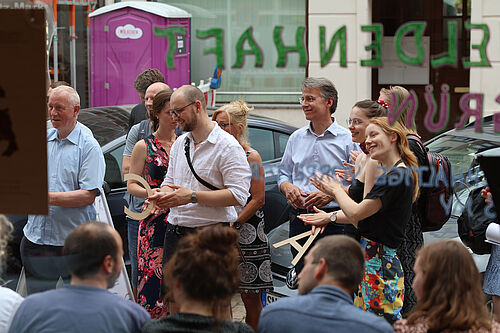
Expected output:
(238, 308)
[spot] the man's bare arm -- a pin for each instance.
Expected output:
(76, 198)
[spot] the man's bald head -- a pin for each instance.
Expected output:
(191, 94)
(151, 93)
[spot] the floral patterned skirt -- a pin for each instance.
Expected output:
(382, 289)
(150, 255)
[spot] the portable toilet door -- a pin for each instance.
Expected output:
(123, 43)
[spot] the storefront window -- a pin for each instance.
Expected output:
(256, 77)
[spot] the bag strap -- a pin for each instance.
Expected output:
(418, 140)
(187, 143)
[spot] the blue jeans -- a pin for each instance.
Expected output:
(132, 233)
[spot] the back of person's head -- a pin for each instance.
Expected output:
(327, 87)
(71, 94)
(344, 259)
(449, 293)
(192, 94)
(403, 147)
(86, 247)
(6, 229)
(371, 108)
(237, 112)
(147, 78)
(205, 264)
(401, 94)
(159, 101)
(58, 84)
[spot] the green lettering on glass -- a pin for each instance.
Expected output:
(283, 50)
(376, 46)
(218, 50)
(340, 38)
(451, 57)
(418, 28)
(170, 33)
(247, 35)
(481, 47)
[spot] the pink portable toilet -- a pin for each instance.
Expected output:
(123, 43)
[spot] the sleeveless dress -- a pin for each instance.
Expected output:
(151, 235)
(255, 268)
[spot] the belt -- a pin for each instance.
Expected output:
(299, 211)
(180, 230)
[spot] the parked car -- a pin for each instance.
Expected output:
(110, 125)
(461, 147)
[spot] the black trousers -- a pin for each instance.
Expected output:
(297, 227)
(43, 265)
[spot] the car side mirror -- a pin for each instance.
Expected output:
(106, 187)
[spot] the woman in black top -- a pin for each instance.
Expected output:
(413, 234)
(381, 217)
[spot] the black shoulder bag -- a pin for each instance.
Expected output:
(188, 158)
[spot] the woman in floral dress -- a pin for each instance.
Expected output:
(150, 160)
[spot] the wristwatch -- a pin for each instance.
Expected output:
(237, 225)
(194, 199)
(333, 217)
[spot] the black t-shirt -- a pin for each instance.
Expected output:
(187, 322)
(137, 115)
(387, 226)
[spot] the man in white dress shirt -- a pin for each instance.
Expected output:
(217, 158)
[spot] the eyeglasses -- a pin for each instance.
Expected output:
(178, 111)
(308, 99)
(354, 122)
(223, 126)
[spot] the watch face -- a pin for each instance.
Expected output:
(333, 217)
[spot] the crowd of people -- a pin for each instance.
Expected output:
(204, 239)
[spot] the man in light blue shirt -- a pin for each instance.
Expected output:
(75, 173)
(322, 146)
(331, 274)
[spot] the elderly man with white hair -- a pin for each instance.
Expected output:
(75, 173)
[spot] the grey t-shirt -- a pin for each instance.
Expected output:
(134, 203)
(78, 309)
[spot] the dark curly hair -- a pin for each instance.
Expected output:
(206, 265)
(147, 78)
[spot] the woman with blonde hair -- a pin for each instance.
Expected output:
(381, 217)
(448, 288)
(414, 238)
(255, 266)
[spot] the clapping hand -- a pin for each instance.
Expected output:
(354, 154)
(327, 184)
(486, 194)
(346, 173)
(318, 220)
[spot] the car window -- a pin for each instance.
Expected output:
(461, 152)
(113, 161)
(262, 141)
(282, 140)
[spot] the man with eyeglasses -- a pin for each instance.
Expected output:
(320, 147)
(222, 178)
